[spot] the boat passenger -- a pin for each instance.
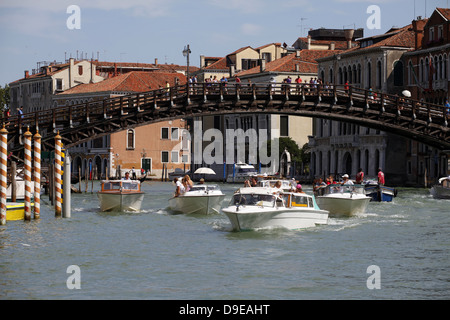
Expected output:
(360, 176)
(187, 182)
(278, 190)
(202, 181)
(380, 177)
(180, 187)
(299, 189)
(127, 176)
(347, 181)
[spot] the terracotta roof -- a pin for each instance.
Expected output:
(134, 81)
(218, 65)
(402, 37)
(339, 45)
(445, 12)
(306, 63)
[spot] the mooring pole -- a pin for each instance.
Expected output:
(66, 186)
(37, 175)
(3, 173)
(58, 182)
(27, 174)
(13, 181)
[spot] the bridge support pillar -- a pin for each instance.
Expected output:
(27, 175)
(3, 173)
(37, 175)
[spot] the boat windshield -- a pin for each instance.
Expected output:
(110, 185)
(130, 185)
(338, 188)
(262, 200)
(203, 187)
(120, 185)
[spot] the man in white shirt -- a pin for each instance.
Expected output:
(347, 181)
(180, 188)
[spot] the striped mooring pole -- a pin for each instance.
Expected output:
(37, 175)
(27, 174)
(58, 172)
(3, 173)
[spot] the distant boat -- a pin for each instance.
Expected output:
(442, 189)
(379, 193)
(241, 172)
(200, 199)
(120, 195)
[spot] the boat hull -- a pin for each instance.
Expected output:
(293, 219)
(120, 201)
(16, 211)
(343, 205)
(440, 192)
(384, 194)
(201, 204)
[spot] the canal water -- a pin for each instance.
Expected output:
(156, 255)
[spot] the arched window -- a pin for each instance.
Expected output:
(398, 73)
(80, 70)
(421, 73)
(130, 139)
(379, 76)
(369, 74)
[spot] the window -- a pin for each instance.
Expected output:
(130, 139)
(398, 73)
(59, 84)
(284, 126)
(174, 134)
(249, 64)
(379, 79)
(267, 56)
(431, 34)
(174, 156)
(185, 158)
(185, 140)
(165, 133)
(164, 156)
(80, 70)
(440, 32)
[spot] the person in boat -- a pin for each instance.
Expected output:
(187, 182)
(299, 189)
(319, 184)
(346, 180)
(360, 176)
(278, 190)
(380, 177)
(127, 176)
(202, 181)
(179, 187)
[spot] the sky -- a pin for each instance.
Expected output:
(141, 30)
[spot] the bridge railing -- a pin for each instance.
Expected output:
(119, 106)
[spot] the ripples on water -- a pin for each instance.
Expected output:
(156, 255)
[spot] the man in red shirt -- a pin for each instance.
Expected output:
(380, 177)
(359, 176)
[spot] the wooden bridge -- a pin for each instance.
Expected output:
(423, 122)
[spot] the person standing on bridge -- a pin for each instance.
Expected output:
(447, 108)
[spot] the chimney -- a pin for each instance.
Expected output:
(297, 53)
(349, 37)
(115, 69)
(232, 70)
(309, 43)
(332, 46)
(297, 67)
(263, 65)
(27, 74)
(202, 62)
(418, 27)
(156, 61)
(71, 72)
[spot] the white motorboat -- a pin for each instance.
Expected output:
(120, 195)
(262, 207)
(442, 189)
(344, 200)
(241, 172)
(200, 199)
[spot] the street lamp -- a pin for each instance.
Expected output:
(186, 53)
